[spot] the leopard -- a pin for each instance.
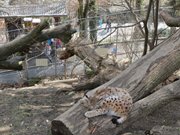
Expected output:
(111, 101)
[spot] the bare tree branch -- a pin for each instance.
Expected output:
(169, 20)
(64, 32)
(155, 24)
(146, 28)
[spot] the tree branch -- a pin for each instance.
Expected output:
(155, 24)
(21, 42)
(12, 63)
(146, 42)
(142, 108)
(169, 20)
(36, 35)
(140, 78)
(64, 32)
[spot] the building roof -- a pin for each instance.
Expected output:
(52, 9)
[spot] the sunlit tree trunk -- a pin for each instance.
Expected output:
(82, 15)
(92, 21)
(138, 5)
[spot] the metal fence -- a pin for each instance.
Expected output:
(121, 38)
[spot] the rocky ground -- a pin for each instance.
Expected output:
(30, 110)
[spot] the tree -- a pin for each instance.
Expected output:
(87, 8)
(103, 69)
(24, 42)
(82, 15)
(92, 21)
(138, 5)
(140, 78)
(169, 20)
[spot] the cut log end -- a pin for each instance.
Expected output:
(59, 128)
(72, 123)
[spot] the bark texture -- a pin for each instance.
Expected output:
(140, 79)
(140, 109)
(104, 69)
(169, 20)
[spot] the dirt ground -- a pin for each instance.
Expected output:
(30, 110)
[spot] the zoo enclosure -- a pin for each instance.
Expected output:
(122, 36)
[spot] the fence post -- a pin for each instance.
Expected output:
(117, 33)
(24, 75)
(26, 67)
(55, 64)
(65, 69)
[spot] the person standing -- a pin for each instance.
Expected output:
(100, 22)
(49, 41)
(58, 43)
(49, 44)
(49, 49)
(108, 23)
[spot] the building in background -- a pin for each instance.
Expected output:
(20, 15)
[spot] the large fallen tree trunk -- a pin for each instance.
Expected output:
(104, 68)
(140, 79)
(102, 125)
(141, 108)
(25, 41)
(104, 71)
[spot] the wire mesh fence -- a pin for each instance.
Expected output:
(116, 35)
